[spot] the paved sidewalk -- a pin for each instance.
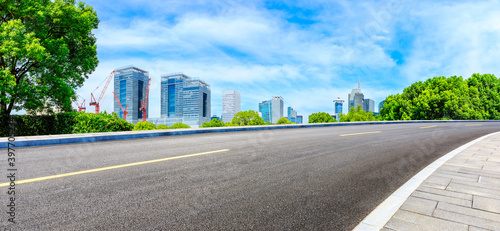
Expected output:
(462, 194)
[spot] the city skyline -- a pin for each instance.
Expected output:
(309, 53)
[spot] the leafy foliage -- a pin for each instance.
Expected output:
(179, 125)
(249, 117)
(357, 114)
(284, 120)
(321, 117)
(64, 123)
(213, 123)
(101, 122)
(230, 124)
(446, 98)
(144, 126)
(162, 126)
(47, 50)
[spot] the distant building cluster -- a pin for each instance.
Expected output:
(188, 100)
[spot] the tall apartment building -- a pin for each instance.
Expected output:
(292, 115)
(130, 85)
(369, 105)
(356, 97)
(276, 109)
(272, 110)
(184, 99)
(231, 104)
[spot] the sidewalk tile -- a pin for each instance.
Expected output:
(404, 220)
(487, 204)
(419, 205)
(466, 219)
(436, 197)
(469, 212)
(474, 188)
(441, 192)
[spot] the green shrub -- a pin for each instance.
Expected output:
(162, 126)
(144, 126)
(213, 123)
(179, 125)
(321, 117)
(230, 124)
(101, 122)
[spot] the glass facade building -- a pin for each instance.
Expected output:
(369, 105)
(130, 84)
(292, 115)
(299, 119)
(184, 99)
(231, 104)
(265, 110)
(381, 105)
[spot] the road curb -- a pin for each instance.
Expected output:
(384, 212)
(32, 141)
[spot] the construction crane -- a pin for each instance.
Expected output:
(144, 104)
(125, 112)
(80, 106)
(94, 102)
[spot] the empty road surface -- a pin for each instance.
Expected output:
(326, 178)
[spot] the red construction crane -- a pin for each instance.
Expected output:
(80, 106)
(144, 104)
(125, 112)
(94, 102)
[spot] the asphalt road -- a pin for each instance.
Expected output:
(307, 178)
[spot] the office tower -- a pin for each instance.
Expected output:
(130, 85)
(276, 109)
(369, 105)
(299, 119)
(356, 97)
(381, 105)
(338, 105)
(272, 110)
(292, 115)
(184, 99)
(265, 110)
(231, 104)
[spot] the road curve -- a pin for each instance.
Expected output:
(326, 178)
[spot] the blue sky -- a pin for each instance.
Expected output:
(308, 52)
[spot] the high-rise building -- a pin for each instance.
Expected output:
(130, 85)
(184, 99)
(299, 119)
(276, 109)
(381, 105)
(292, 115)
(265, 110)
(356, 97)
(369, 105)
(272, 110)
(338, 105)
(231, 104)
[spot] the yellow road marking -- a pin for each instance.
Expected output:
(361, 133)
(110, 167)
(433, 126)
(470, 125)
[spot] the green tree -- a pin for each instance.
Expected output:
(249, 117)
(47, 50)
(357, 114)
(179, 125)
(213, 123)
(446, 98)
(321, 117)
(284, 120)
(230, 124)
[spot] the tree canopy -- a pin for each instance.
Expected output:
(249, 117)
(321, 117)
(478, 97)
(284, 120)
(47, 50)
(357, 114)
(213, 123)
